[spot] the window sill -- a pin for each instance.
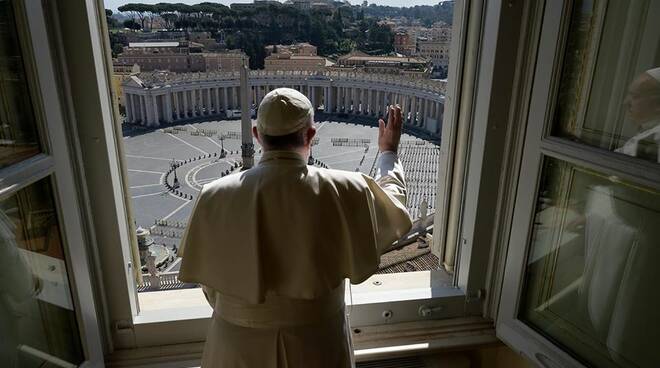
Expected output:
(371, 343)
(181, 316)
(187, 304)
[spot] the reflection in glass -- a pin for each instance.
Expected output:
(609, 92)
(37, 319)
(592, 269)
(18, 135)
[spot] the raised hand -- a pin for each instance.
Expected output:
(389, 134)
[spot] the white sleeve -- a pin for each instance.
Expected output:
(390, 175)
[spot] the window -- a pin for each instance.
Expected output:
(585, 233)
(462, 218)
(47, 315)
(183, 130)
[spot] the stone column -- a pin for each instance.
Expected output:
(209, 101)
(404, 107)
(203, 102)
(128, 105)
(422, 122)
(225, 99)
(311, 96)
(413, 110)
(199, 102)
(325, 99)
(149, 110)
(177, 108)
(193, 102)
(332, 99)
(216, 90)
(168, 107)
(440, 112)
(184, 104)
(349, 99)
(156, 111)
(190, 98)
(143, 109)
(432, 110)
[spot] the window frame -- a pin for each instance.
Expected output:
(471, 288)
(540, 143)
(54, 163)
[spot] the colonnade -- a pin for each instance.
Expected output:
(151, 100)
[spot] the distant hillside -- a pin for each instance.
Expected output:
(427, 14)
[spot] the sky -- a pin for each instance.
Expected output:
(113, 4)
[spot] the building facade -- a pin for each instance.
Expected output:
(409, 66)
(179, 57)
(159, 98)
(299, 49)
(404, 44)
(286, 61)
(121, 72)
(436, 51)
(229, 61)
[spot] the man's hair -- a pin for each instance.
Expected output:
(285, 142)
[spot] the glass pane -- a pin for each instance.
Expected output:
(18, 133)
(37, 317)
(591, 272)
(609, 93)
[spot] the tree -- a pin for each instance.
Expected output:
(170, 19)
(141, 11)
(117, 49)
(112, 22)
(132, 24)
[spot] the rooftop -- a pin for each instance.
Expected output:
(154, 44)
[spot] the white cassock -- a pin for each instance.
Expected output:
(272, 246)
(645, 144)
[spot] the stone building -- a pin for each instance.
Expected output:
(179, 56)
(289, 62)
(412, 67)
(228, 61)
(120, 72)
(299, 49)
(404, 43)
(437, 51)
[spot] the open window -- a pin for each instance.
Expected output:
(127, 138)
(181, 129)
(46, 296)
(585, 228)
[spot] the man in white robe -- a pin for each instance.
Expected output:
(643, 103)
(272, 245)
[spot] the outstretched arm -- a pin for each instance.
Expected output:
(392, 220)
(389, 171)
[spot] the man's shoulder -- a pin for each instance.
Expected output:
(354, 178)
(226, 183)
(315, 176)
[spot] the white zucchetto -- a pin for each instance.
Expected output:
(284, 111)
